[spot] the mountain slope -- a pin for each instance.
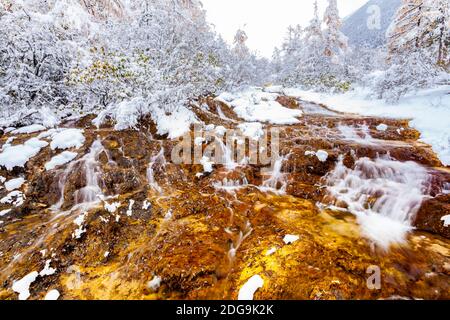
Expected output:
(359, 28)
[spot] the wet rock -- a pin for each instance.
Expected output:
(429, 217)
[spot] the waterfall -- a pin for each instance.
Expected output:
(90, 194)
(226, 157)
(383, 194)
(160, 160)
(359, 135)
(231, 185)
(243, 234)
(277, 181)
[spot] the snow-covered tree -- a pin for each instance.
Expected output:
(418, 41)
(336, 43)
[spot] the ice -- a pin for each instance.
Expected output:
(60, 159)
(382, 127)
(22, 286)
(69, 138)
(14, 184)
(18, 155)
(249, 288)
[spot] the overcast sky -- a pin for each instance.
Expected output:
(266, 21)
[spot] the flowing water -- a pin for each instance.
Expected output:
(122, 215)
(383, 193)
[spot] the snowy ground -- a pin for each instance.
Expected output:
(428, 109)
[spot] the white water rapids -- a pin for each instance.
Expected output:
(384, 195)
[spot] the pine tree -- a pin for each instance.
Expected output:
(421, 25)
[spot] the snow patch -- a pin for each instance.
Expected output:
(60, 159)
(15, 198)
(14, 184)
(66, 139)
(290, 238)
(22, 286)
(249, 288)
(52, 295)
(18, 156)
(254, 105)
(47, 271)
(29, 129)
(155, 283)
(446, 220)
(207, 164)
(253, 130)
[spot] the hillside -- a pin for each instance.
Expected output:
(357, 26)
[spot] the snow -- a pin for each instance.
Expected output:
(220, 130)
(79, 222)
(168, 215)
(446, 220)
(289, 238)
(271, 251)
(249, 288)
(429, 110)
(207, 164)
(69, 138)
(146, 204)
(47, 271)
(14, 184)
(29, 129)
(14, 197)
(111, 208)
(52, 295)
(22, 286)
(322, 155)
(130, 208)
(155, 283)
(274, 89)
(174, 124)
(382, 127)
(60, 159)
(18, 155)
(254, 105)
(253, 130)
(199, 141)
(4, 212)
